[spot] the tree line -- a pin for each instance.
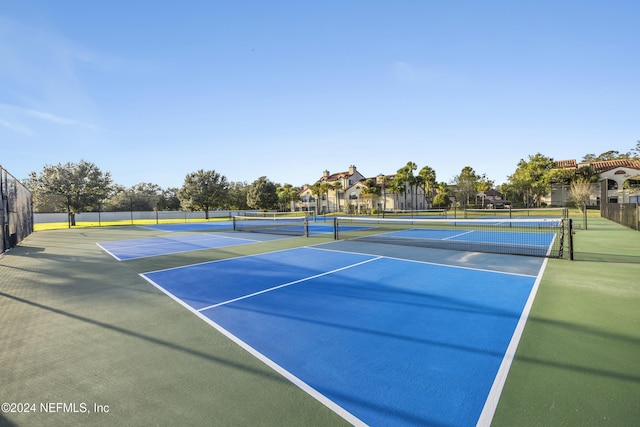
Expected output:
(83, 187)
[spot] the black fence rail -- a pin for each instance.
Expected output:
(16, 211)
(627, 214)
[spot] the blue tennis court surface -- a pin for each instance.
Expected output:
(123, 250)
(542, 240)
(381, 341)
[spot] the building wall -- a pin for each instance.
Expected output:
(616, 192)
(561, 194)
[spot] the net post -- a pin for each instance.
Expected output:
(234, 223)
(570, 239)
(335, 228)
(306, 227)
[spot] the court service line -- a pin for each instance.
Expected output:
(163, 241)
(219, 260)
(484, 270)
(289, 284)
(458, 235)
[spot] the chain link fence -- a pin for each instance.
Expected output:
(16, 211)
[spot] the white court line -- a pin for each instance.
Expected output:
(109, 252)
(288, 284)
(169, 241)
(491, 404)
(221, 260)
(339, 410)
(427, 262)
(458, 235)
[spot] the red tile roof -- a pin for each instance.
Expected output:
(600, 167)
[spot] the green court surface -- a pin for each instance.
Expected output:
(79, 328)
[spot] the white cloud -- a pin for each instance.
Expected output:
(17, 111)
(17, 128)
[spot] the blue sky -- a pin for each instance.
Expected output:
(153, 90)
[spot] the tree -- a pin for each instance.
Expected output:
(383, 182)
(369, 192)
(169, 200)
(324, 194)
(140, 197)
(466, 185)
(337, 187)
(581, 190)
(78, 186)
(531, 180)
(405, 177)
(262, 194)
(316, 190)
(287, 194)
(442, 198)
(204, 190)
(395, 186)
(635, 152)
(237, 198)
(484, 185)
(426, 179)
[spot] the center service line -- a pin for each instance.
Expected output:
(288, 284)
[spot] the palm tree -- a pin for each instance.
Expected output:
(442, 199)
(370, 191)
(324, 190)
(405, 176)
(337, 186)
(484, 185)
(316, 191)
(427, 180)
(396, 186)
(383, 182)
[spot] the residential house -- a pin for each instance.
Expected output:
(343, 192)
(617, 174)
(491, 199)
(327, 194)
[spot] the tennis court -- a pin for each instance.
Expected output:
(294, 229)
(379, 333)
(381, 340)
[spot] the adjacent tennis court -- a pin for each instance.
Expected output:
(123, 250)
(380, 340)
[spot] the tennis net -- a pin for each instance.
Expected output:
(291, 226)
(425, 213)
(516, 213)
(273, 214)
(543, 237)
